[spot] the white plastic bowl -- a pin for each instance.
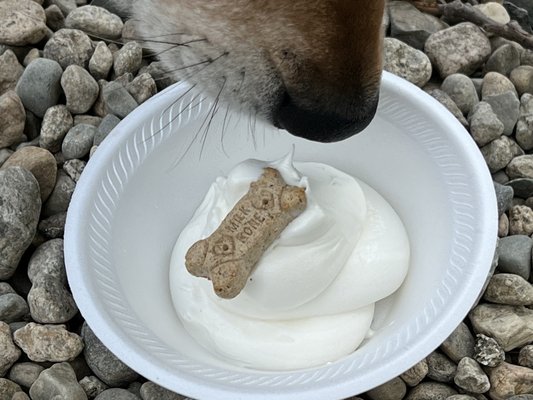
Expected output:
(146, 179)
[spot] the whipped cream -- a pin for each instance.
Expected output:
(310, 299)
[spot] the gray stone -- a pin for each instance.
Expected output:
(61, 195)
(66, 6)
(503, 60)
(504, 197)
(487, 351)
(73, 168)
(54, 18)
(48, 259)
(56, 123)
(494, 11)
(101, 61)
(40, 162)
(523, 187)
(48, 342)
(129, 58)
(32, 55)
(459, 344)
(69, 47)
(12, 307)
(103, 363)
(162, 77)
(460, 397)
(53, 227)
(12, 119)
(151, 391)
(116, 394)
(50, 302)
(525, 356)
(520, 167)
(8, 389)
(510, 326)
(495, 84)
(20, 396)
(25, 373)
(406, 62)
(471, 377)
(507, 107)
(394, 389)
(447, 102)
(4, 155)
(498, 153)
(485, 125)
(93, 120)
(522, 397)
(515, 255)
(414, 375)
(520, 220)
(78, 141)
(6, 288)
(95, 20)
(410, 25)
(431, 391)
(9, 353)
(527, 6)
(135, 388)
(522, 78)
(57, 381)
(519, 15)
(92, 386)
(509, 289)
(142, 88)
(19, 215)
(39, 87)
(106, 126)
(508, 380)
(461, 48)
(10, 71)
(118, 100)
(32, 127)
(440, 367)
(22, 22)
(462, 91)
(524, 126)
(118, 7)
(81, 90)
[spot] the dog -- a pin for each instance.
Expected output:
(312, 67)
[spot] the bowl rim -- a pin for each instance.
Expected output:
(147, 365)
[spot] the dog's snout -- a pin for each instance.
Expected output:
(324, 126)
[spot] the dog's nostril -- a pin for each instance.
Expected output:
(322, 126)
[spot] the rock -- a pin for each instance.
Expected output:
(48, 259)
(522, 187)
(103, 363)
(485, 126)
(106, 126)
(10, 71)
(527, 6)
(19, 215)
(164, 78)
(78, 141)
(440, 367)
(81, 90)
(518, 14)
(8, 389)
(515, 255)
(520, 220)
(60, 198)
(151, 391)
(406, 62)
(118, 7)
(12, 119)
(22, 22)
(522, 397)
(525, 357)
(524, 126)
(38, 87)
(431, 391)
(507, 107)
(32, 127)
(462, 91)
(522, 78)
(48, 342)
(6, 288)
(20, 396)
(410, 25)
(504, 197)
(118, 100)
(471, 377)
(459, 344)
(510, 326)
(135, 388)
(32, 55)
(69, 47)
(93, 120)
(73, 168)
(394, 389)
(503, 60)
(129, 58)
(494, 84)
(66, 6)
(54, 18)
(92, 386)
(25, 373)
(507, 380)
(142, 88)
(56, 123)
(9, 353)
(460, 397)
(116, 394)
(414, 375)
(100, 106)
(12, 307)
(40, 162)
(487, 351)
(58, 381)
(447, 102)
(494, 11)
(509, 289)
(50, 302)
(95, 20)
(101, 62)
(498, 153)
(520, 167)
(53, 227)
(461, 48)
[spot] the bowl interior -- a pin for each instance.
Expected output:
(146, 180)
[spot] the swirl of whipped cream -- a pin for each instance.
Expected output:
(310, 299)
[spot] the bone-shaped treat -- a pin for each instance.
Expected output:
(228, 256)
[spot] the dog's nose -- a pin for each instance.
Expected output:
(322, 126)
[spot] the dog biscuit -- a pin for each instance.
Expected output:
(228, 256)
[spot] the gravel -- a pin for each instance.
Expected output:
(66, 81)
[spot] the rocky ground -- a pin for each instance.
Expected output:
(62, 91)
